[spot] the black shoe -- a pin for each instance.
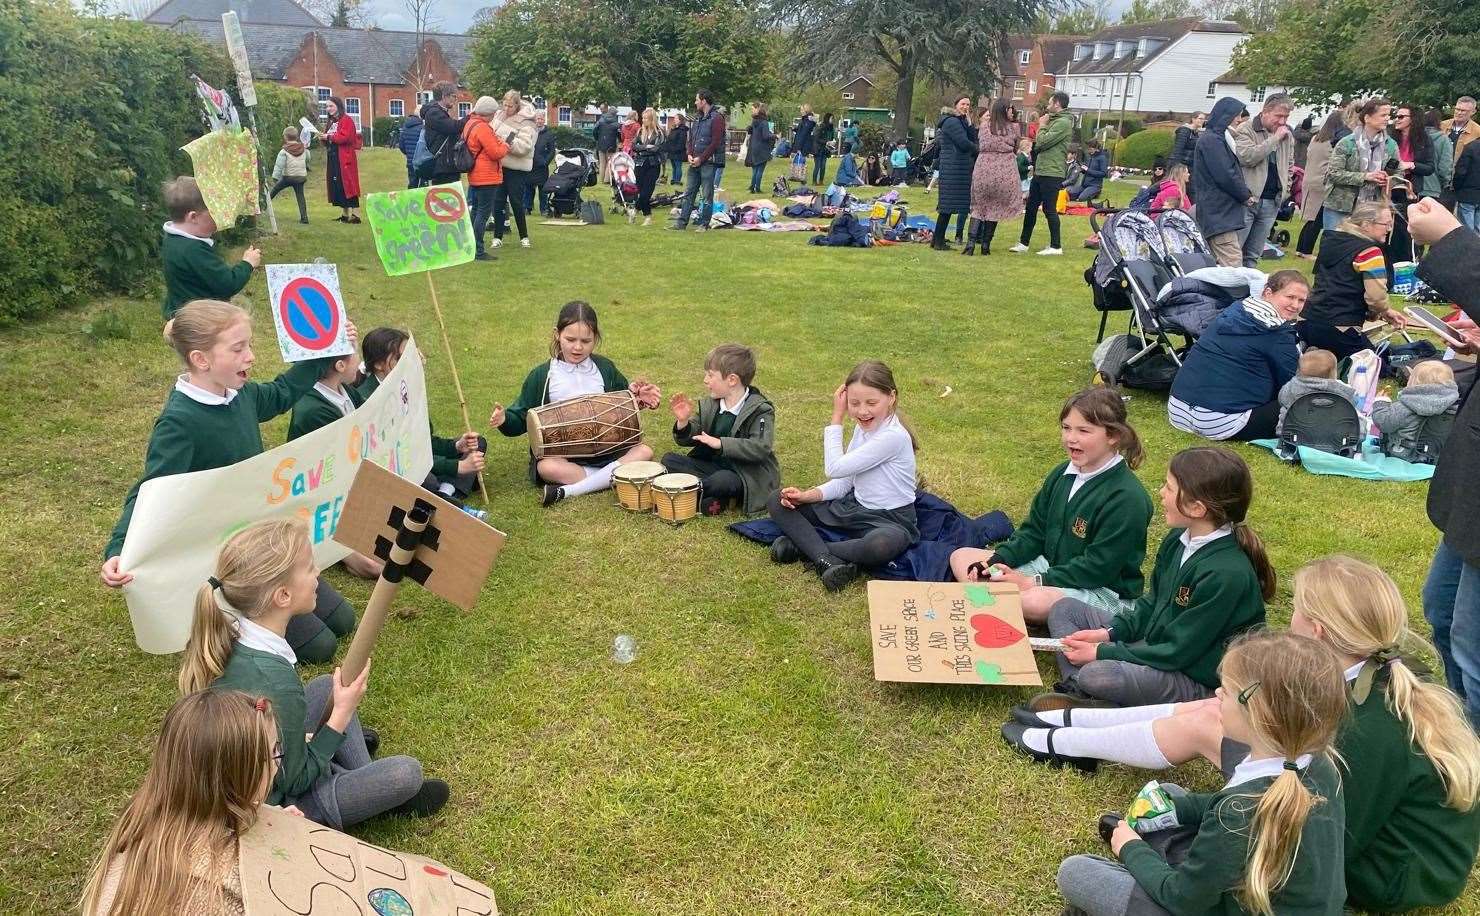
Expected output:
(304, 221)
(1012, 733)
(940, 245)
(427, 801)
(1028, 717)
(551, 496)
(484, 256)
(372, 740)
(835, 574)
(969, 250)
(784, 551)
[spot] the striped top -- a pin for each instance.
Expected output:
(1370, 264)
(1210, 424)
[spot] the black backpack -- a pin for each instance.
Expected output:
(1325, 422)
(462, 157)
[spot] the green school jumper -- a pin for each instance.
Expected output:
(263, 674)
(191, 436)
(445, 455)
(1404, 847)
(1096, 540)
(536, 392)
(193, 270)
(313, 411)
(746, 444)
(1191, 611)
(1206, 880)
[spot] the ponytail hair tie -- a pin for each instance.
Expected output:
(213, 582)
(1292, 766)
(1362, 686)
(1241, 523)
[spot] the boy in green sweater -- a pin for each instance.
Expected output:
(193, 269)
(731, 438)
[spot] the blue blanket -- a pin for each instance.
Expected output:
(942, 530)
(1373, 465)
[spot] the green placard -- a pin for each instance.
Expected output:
(421, 228)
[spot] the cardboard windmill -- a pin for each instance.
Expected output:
(419, 536)
(950, 633)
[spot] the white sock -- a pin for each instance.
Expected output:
(595, 479)
(1102, 718)
(1133, 744)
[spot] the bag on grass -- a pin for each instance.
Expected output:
(591, 213)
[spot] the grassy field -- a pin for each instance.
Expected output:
(746, 761)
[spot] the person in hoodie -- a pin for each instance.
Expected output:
(677, 146)
(1223, 199)
(1431, 391)
(291, 170)
(1229, 384)
(606, 134)
(1317, 375)
(407, 139)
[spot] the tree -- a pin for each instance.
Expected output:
(1082, 17)
(1342, 49)
(1255, 15)
(627, 51)
(423, 20)
(1156, 10)
(955, 42)
(340, 14)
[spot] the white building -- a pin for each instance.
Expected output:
(1151, 67)
(1231, 84)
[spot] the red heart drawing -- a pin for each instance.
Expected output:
(993, 632)
(434, 871)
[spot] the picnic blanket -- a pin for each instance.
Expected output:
(1373, 465)
(795, 225)
(942, 530)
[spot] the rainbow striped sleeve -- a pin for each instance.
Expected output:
(1370, 264)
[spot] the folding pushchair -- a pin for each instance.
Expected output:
(1129, 269)
(1186, 249)
(622, 173)
(573, 168)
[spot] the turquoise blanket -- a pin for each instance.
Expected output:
(1373, 465)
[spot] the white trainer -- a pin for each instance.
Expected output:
(1019, 248)
(524, 243)
(498, 243)
(1051, 251)
(647, 220)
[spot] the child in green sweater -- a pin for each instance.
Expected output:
(1270, 841)
(1209, 584)
(265, 576)
(573, 370)
(1411, 773)
(193, 269)
(211, 420)
(1085, 535)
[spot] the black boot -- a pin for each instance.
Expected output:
(987, 230)
(835, 574)
(971, 234)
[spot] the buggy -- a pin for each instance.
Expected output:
(1186, 249)
(1129, 270)
(574, 169)
(622, 173)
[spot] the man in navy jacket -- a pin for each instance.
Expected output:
(1218, 186)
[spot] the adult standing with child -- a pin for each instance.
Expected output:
(343, 166)
(647, 153)
(995, 187)
(957, 159)
(514, 123)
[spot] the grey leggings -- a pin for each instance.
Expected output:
(1097, 886)
(358, 788)
(314, 637)
(875, 548)
(1121, 683)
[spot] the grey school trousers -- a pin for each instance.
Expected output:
(1121, 683)
(1097, 886)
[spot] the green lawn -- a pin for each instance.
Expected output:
(747, 761)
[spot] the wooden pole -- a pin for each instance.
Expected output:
(373, 620)
(452, 363)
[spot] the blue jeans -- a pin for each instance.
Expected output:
(677, 167)
(1467, 215)
(757, 175)
(1330, 219)
(1451, 604)
(1258, 220)
(699, 190)
(480, 198)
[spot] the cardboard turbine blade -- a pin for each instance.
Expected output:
(455, 555)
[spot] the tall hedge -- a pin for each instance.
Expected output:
(277, 107)
(1139, 151)
(95, 111)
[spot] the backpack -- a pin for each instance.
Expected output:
(1325, 422)
(1397, 359)
(591, 213)
(421, 157)
(781, 188)
(462, 157)
(1113, 366)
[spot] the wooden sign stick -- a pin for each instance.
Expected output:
(373, 620)
(456, 381)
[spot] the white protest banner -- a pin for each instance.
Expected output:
(291, 866)
(180, 521)
(236, 49)
(308, 311)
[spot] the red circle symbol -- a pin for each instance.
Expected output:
(309, 313)
(445, 205)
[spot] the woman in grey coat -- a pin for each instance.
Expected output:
(958, 150)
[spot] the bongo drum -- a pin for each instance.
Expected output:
(676, 497)
(633, 484)
(589, 426)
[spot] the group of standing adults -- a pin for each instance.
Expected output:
(980, 175)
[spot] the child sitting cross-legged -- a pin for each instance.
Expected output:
(1431, 390)
(1316, 375)
(731, 437)
(193, 268)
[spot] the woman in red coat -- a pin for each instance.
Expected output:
(343, 166)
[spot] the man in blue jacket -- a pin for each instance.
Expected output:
(1096, 167)
(410, 133)
(1223, 199)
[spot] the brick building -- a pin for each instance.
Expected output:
(377, 73)
(1028, 64)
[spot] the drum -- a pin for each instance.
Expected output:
(676, 497)
(633, 483)
(589, 426)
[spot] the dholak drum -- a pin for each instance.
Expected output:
(633, 483)
(589, 426)
(676, 497)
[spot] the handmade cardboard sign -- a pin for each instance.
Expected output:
(456, 550)
(308, 310)
(225, 166)
(949, 633)
(291, 866)
(421, 228)
(236, 49)
(180, 521)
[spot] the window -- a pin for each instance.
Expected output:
(463, 108)
(1141, 48)
(847, 96)
(1212, 89)
(352, 108)
(1032, 86)
(1018, 86)
(562, 116)
(422, 98)
(1256, 93)
(539, 103)
(398, 108)
(1025, 57)
(321, 95)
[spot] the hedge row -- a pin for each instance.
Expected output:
(96, 111)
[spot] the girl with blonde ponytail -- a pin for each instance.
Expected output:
(265, 576)
(1270, 840)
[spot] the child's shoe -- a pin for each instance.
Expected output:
(784, 551)
(835, 574)
(427, 801)
(1012, 733)
(647, 220)
(551, 495)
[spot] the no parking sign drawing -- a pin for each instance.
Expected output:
(308, 310)
(421, 228)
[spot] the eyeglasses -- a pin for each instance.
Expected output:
(277, 755)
